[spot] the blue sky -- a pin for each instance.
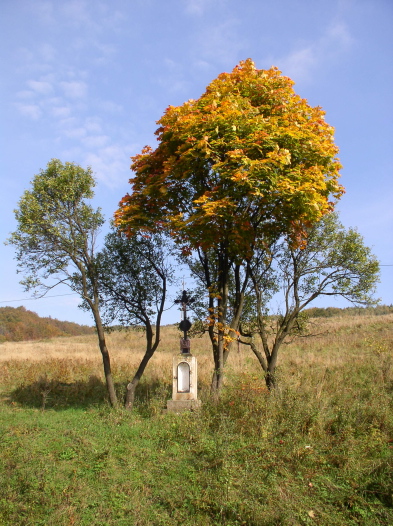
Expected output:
(86, 80)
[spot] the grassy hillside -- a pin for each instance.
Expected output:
(318, 451)
(18, 324)
(330, 312)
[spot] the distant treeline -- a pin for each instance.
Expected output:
(330, 312)
(18, 324)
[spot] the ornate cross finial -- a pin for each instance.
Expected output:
(185, 324)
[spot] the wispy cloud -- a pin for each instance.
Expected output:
(93, 17)
(25, 94)
(173, 77)
(299, 63)
(196, 7)
(77, 11)
(50, 96)
(42, 87)
(33, 111)
(74, 89)
(77, 132)
(110, 163)
(221, 42)
(77, 122)
(61, 112)
(56, 84)
(44, 11)
(302, 61)
(96, 141)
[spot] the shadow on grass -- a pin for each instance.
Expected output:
(53, 394)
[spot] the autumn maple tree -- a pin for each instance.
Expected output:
(233, 171)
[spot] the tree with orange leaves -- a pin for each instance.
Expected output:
(233, 171)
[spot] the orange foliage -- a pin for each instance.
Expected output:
(248, 160)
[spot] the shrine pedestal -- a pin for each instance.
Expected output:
(184, 386)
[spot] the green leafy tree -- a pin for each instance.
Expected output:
(134, 275)
(234, 170)
(333, 262)
(56, 240)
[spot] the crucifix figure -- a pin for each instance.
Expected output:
(185, 323)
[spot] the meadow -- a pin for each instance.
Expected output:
(316, 451)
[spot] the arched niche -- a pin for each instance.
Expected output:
(183, 377)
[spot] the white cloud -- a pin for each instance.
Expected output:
(94, 17)
(340, 35)
(41, 87)
(298, 64)
(47, 52)
(44, 11)
(202, 65)
(221, 42)
(301, 62)
(96, 141)
(110, 164)
(195, 7)
(68, 123)
(75, 133)
(173, 79)
(25, 94)
(61, 111)
(93, 125)
(74, 89)
(77, 12)
(198, 7)
(33, 111)
(89, 146)
(110, 106)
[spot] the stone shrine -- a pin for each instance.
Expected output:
(185, 377)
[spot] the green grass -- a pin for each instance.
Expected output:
(318, 451)
(252, 458)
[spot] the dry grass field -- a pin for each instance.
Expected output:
(333, 342)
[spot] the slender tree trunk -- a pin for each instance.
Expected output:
(216, 373)
(223, 346)
(270, 377)
(267, 365)
(131, 387)
(262, 361)
(93, 302)
(271, 382)
(105, 358)
(108, 374)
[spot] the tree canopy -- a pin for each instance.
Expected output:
(56, 226)
(247, 160)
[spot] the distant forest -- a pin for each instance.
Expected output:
(19, 324)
